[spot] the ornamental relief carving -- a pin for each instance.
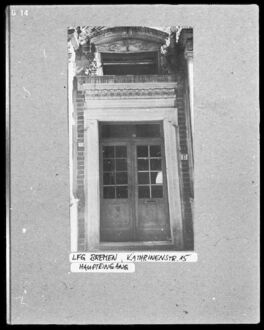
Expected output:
(130, 93)
(128, 45)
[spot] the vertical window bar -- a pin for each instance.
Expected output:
(115, 171)
(149, 173)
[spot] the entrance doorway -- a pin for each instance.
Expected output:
(133, 183)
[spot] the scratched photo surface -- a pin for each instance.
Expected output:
(48, 214)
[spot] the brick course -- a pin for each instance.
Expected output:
(185, 173)
(80, 149)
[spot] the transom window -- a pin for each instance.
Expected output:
(109, 131)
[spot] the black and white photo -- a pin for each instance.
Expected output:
(131, 133)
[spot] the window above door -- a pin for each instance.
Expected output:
(142, 130)
(129, 63)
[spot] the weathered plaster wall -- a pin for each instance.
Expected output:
(223, 285)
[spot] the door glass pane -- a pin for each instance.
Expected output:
(121, 177)
(121, 192)
(109, 178)
(155, 164)
(156, 177)
(109, 165)
(142, 151)
(109, 192)
(143, 192)
(121, 152)
(155, 151)
(115, 172)
(143, 164)
(108, 152)
(143, 177)
(121, 164)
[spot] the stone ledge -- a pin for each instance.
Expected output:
(113, 79)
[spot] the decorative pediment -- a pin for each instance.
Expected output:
(128, 45)
(129, 39)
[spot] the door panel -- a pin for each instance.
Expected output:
(151, 193)
(116, 223)
(152, 221)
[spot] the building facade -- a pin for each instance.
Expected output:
(130, 129)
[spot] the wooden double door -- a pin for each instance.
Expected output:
(133, 190)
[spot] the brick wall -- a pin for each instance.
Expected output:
(185, 180)
(79, 173)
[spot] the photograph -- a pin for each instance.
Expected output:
(130, 95)
(132, 138)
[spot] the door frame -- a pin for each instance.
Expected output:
(92, 117)
(132, 144)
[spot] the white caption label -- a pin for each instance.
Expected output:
(103, 267)
(134, 257)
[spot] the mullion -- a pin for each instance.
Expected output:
(146, 171)
(118, 171)
(115, 171)
(150, 190)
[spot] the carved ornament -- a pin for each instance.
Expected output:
(128, 45)
(130, 93)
